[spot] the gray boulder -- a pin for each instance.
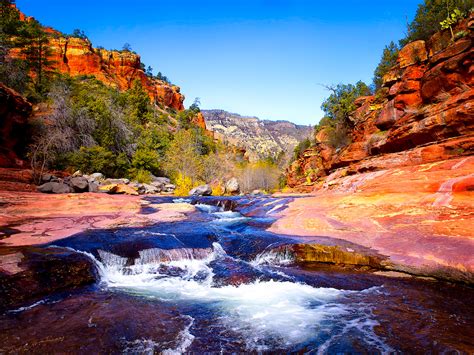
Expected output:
(232, 186)
(97, 176)
(159, 179)
(203, 190)
(54, 188)
(116, 181)
(151, 189)
(93, 187)
(169, 188)
(46, 177)
(79, 184)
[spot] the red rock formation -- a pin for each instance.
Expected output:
(120, 69)
(14, 113)
(426, 99)
(419, 216)
(404, 186)
(76, 56)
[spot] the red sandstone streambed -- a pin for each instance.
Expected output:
(237, 295)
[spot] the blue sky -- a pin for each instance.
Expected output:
(265, 58)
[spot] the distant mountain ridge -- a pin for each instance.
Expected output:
(260, 138)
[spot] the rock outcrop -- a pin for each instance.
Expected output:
(423, 113)
(119, 69)
(14, 113)
(260, 138)
(404, 185)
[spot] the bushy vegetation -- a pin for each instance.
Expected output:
(338, 109)
(86, 125)
(388, 60)
(29, 39)
(431, 14)
(263, 175)
(300, 148)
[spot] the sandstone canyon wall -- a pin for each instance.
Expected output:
(76, 56)
(259, 138)
(424, 113)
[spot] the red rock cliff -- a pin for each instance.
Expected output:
(14, 113)
(76, 56)
(424, 113)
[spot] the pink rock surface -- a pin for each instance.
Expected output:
(41, 218)
(415, 215)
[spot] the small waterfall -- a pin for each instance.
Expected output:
(282, 255)
(111, 260)
(158, 256)
(263, 312)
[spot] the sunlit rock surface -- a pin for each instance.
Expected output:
(420, 216)
(423, 113)
(260, 138)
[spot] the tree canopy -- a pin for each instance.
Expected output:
(429, 16)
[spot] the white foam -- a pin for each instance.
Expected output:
(184, 339)
(275, 257)
(207, 208)
(227, 218)
(141, 346)
(267, 314)
(182, 200)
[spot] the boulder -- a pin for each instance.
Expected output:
(203, 190)
(55, 188)
(232, 186)
(93, 187)
(413, 53)
(118, 189)
(160, 180)
(46, 177)
(150, 189)
(169, 188)
(77, 173)
(96, 177)
(388, 116)
(79, 184)
(116, 181)
(61, 188)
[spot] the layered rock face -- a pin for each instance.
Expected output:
(76, 56)
(14, 113)
(260, 138)
(404, 187)
(119, 69)
(424, 113)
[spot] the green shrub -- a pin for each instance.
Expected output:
(430, 15)
(98, 159)
(141, 176)
(146, 159)
(388, 60)
(301, 147)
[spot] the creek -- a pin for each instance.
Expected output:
(219, 282)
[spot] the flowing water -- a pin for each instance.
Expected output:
(218, 283)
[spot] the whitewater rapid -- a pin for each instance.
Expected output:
(266, 312)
